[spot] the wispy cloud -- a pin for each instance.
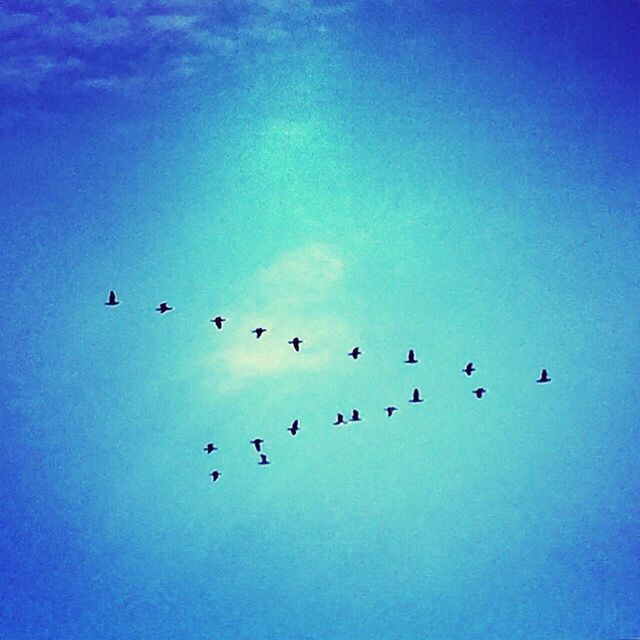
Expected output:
(291, 297)
(117, 45)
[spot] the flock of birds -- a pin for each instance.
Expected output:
(355, 353)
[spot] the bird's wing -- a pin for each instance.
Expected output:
(112, 296)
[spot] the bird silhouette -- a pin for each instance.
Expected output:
(355, 352)
(112, 302)
(218, 320)
(210, 448)
(479, 392)
(163, 308)
(263, 459)
(416, 396)
(339, 420)
(296, 342)
(411, 357)
(257, 442)
(544, 377)
(215, 475)
(258, 331)
(294, 428)
(355, 416)
(390, 410)
(469, 369)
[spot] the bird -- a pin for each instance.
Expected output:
(339, 420)
(263, 459)
(210, 448)
(355, 416)
(294, 428)
(544, 377)
(218, 320)
(416, 396)
(355, 352)
(215, 475)
(469, 368)
(257, 442)
(390, 410)
(164, 307)
(480, 391)
(258, 331)
(411, 357)
(112, 302)
(296, 342)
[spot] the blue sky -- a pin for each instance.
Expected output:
(458, 180)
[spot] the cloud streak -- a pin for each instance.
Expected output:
(116, 45)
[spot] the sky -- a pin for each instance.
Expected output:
(456, 178)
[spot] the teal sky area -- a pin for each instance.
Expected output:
(459, 180)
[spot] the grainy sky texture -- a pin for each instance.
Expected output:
(457, 178)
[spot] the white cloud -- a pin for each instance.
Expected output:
(100, 30)
(118, 84)
(291, 297)
(305, 273)
(164, 22)
(9, 21)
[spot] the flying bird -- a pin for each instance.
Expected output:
(355, 416)
(339, 420)
(294, 428)
(355, 352)
(215, 475)
(296, 342)
(544, 377)
(210, 448)
(112, 302)
(257, 442)
(469, 369)
(480, 391)
(218, 320)
(390, 410)
(258, 331)
(263, 459)
(164, 307)
(411, 357)
(416, 396)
